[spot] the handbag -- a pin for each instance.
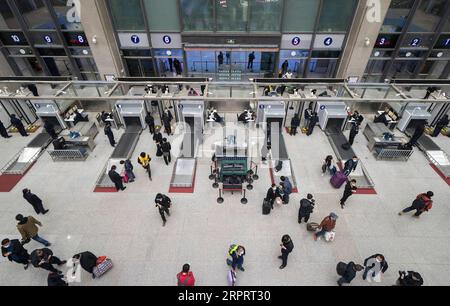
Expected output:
(329, 236)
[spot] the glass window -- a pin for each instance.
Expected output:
(76, 39)
(325, 54)
(168, 52)
(266, 15)
(51, 52)
(162, 15)
(232, 15)
(300, 16)
(197, 15)
(7, 18)
(293, 53)
(36, 14)
(376, 66)
(404, 68)
(447, 26)
(396, 16)
(127, 15)
(336, 15)
(434, 69)
(427, 16)
(47, 38)
(68, 15)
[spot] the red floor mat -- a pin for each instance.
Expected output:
(105, 189)
(9, 181)
(365, 191)
(446, 179)
(185, 189)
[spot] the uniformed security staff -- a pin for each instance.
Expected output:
(3, 131)
(116, 178)
(18, 125)
(110, 135)
(50, 129)
(144, 160)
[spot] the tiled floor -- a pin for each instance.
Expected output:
(126, 226)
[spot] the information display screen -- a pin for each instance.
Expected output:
(76, 39)
(386, 41)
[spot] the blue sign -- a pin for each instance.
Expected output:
(135, 39)
(167, 39)
(328, 41)
(15, 38)
(296, 41)
(48, 39)
(322, 107)
(415, 42)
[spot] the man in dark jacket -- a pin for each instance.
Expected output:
(350, 188)
(157, 136)
(295, 123)
(116, 178)
(418, 132)
(166, 122)
(43, 258)
(306, 208)
(56, 280)
(35, 201)
(150, 122)
(177, 66)
(3, 131)
(163, 204)
(14, 251)
(87, 260)
(17, 123)
(421, 204)
(410, 278)
(375, 264)
(272, 194)
(165, 148)
(50, 129)
(110, 135)
(354, 130)
(33, 89)
(349, 273)
(442, 123)
(312, 123)
(350, 165)
(286, 247)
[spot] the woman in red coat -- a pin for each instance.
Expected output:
(186, 278)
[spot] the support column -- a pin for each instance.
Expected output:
(369, 17)
(96, 23)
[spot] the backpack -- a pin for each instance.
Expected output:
(340, 268)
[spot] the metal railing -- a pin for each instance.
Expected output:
(68, 154)
(9, 167)
(392, 154)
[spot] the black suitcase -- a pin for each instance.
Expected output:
(286, 199)
(279, 166)
(346, 146)
(266, 207)
(340, 268)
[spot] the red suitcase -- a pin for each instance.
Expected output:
(338, 179)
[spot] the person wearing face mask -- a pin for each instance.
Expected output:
(87, 260)
(350, 189)
(14, 251)
(375, 264)
(350, 165)
(272, 194)
(237, 253)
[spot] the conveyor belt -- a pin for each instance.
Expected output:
(125, 146)
(188, 146)
(425, 143)
(338, 139)
(42, 140)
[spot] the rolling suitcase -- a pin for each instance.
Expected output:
(279, 166)
(102, 267)
(338, 179)
(266, 207)
(346, 146)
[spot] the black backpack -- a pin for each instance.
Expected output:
(340, 268)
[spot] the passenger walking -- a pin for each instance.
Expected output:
(284, 67)
(418, 132)
(116, 179)
(128, 166)
(14, 251)
(220, 58)
(327, 225)
(375, 266)
(50, 129)
(163, 203)
(157, 136)
(237, 253)
(295, 123)
(421, 204)
(3, 131)
(350, 189)
(167, 124)
(328, 165)
(308, 114)
(349, 273)
(442, 123)
(44, 259)
(286, 247)
(177, 66)
(144, 160)
(354, 130)
(35, 201)
(150, 122)
(28, 229)
(87, 260)
(350, 165)
(306, 208)
(312, 123)
(165, 148)
(251, 58)
(17, 123)
(186, 278)
(109, 134)
(287, 189)
(272, 194)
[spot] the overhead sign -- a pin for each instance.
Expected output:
(296, 41)
(329, 41)
(166, 40)
(134, 40)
